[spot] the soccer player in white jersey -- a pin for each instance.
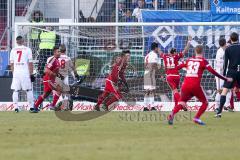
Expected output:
(66, 65)
(151, 64)
(22, 68)
(219, 68)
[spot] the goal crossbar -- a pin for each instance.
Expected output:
(131, 24)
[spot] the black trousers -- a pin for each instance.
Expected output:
(44, 54)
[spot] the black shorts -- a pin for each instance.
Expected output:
(235, 75)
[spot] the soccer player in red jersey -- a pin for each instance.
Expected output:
(51, 72)
(112, 92)
(171, 61)
(191, 86)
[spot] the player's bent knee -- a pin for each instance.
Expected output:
(175, 90)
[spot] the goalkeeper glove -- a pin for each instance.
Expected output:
(33, 78)
(80, 79)
(77, 77)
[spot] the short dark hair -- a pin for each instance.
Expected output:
(222, 42)
(154, 45)
(19, 38)
(55, 48)
(199, 49)
(173, 50)
(234, 37)
(126, 51)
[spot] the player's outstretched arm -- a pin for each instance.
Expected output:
(181, 66)
(188, 45)
(211, 70)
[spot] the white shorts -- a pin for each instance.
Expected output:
(66, 81)
(149, 81)
(21, 83)
(219, 83)
(62, 84)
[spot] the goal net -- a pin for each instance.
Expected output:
(93, 45)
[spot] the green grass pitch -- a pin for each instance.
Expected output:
(118, 136)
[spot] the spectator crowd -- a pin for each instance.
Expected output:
(133, 7)
(129, 10)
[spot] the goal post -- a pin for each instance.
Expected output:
(93, 45)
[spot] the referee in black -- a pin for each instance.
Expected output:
(232, 67)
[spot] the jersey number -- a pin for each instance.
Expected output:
(62, 63)
(19, 53)
(193, 67)
(170, 62)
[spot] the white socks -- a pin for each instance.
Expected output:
(228, 98)
(149, 100)
(15, 99)
(217, 99)
(30, 98)
(146, 100)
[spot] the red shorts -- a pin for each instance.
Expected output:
(190, 90)
(48, 85)
(173, 81)
(111, 88)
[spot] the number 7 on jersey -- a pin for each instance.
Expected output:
(19, 53)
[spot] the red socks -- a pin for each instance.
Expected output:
(102, 97)
(232, 101)
(38, 101)
(176, 98)
(55, 99)
(201, 110)
(238, 95)
(112, 100)
(176, 109)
